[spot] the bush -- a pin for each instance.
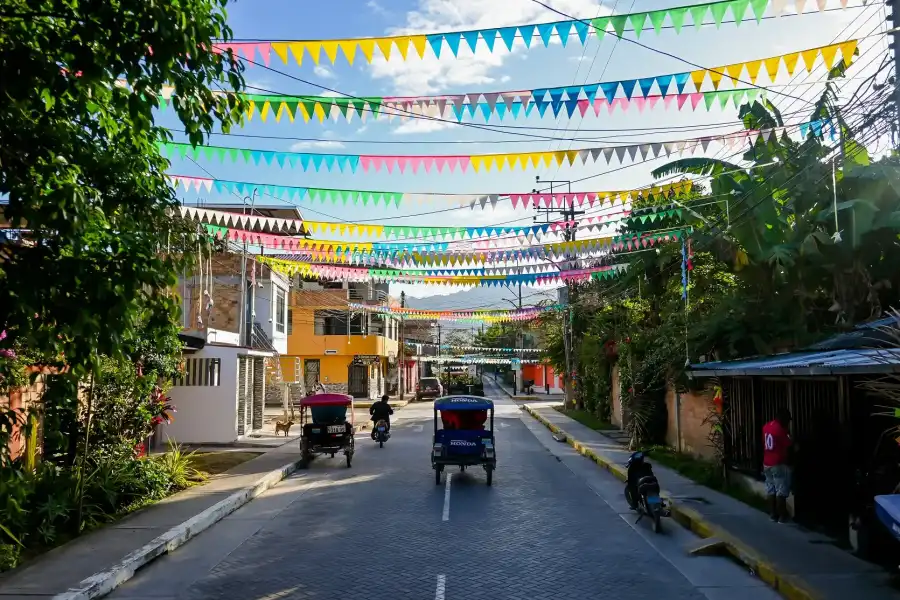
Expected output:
(9, 556)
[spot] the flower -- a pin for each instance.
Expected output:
(140, 450)
(4, 353)
(157, 420)
(2, 335)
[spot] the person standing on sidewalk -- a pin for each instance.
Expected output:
(776, 464)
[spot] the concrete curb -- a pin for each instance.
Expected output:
(788, 586)
(514, 396)
(104, 582)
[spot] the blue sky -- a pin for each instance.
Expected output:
(521, 69)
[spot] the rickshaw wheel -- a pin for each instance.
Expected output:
(437, 476)
(381, 444)
(490, 475)
(349, 458)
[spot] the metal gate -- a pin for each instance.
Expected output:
(358, 381)
(311, 374)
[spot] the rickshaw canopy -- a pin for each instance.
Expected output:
(327, 400)
(450, 403)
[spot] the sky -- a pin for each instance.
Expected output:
(502, 70)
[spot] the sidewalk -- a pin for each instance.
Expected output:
(110, 555)
(523, 397)
(799, 564)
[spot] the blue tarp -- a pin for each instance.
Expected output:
(888, 510)
(832, 362)
(463, 403)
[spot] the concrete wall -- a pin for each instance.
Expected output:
(615, 398)
(207, 414)
(266, 298)
(687, 413)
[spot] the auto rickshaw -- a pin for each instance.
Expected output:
(460, 437)
(325, 427)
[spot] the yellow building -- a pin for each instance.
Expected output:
(348, 353)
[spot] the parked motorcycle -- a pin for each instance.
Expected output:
(381, 434)
(642, 490)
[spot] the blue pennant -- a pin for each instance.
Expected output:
(546, 32)
(646, 85)
(681, 80)
(436, 41)
(590, 91)
(571, 106)
(628, 87)
(508, 35)
(527, 32)
(609, 90)
(471, 38)
(582, 28)
(489, 36)
(563, 28)
(452, 40)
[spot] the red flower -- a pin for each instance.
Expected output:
(628, 340)
(630, 390)
(157, 420)
(140, 450)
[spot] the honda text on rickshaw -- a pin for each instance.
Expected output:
(326, 429)
(460, 437)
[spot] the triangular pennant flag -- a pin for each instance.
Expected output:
(657, 17)
(677, 16)
(599, 24)
(637, 22)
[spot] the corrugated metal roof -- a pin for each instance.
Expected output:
(833, 362)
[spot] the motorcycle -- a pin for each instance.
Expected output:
(380, 433)
(643, 483)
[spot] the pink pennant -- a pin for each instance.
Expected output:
(427, 162)
(365, 162)
(390, 162)
(403, 161)
(653, 100)
(598, 104)
(547, 199)
(515, 199)
(265, 50)
(639, 102)
(583, 106)
(668, 100)
(463, 163)
(682, 98)
(440, 162)
(695, 99)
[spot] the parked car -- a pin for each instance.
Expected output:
(429, 387)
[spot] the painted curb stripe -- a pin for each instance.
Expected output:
(789, 586)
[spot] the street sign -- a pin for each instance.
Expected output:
(563, 294)
(366, 359)
(516, 364)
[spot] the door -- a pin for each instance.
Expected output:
(311, 374)
(358, 381)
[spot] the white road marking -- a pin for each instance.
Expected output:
(417, 428)
(446, 515)
(441, 579)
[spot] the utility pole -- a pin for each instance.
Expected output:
(894, 44)
(243, 331)
(402, 352)
(568, 213)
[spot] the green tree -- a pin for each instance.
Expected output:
(81, 168)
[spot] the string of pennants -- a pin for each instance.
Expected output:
(478, 162)
(553, 252)
(358, 274)
(679, 89)
(473, 360)
(516, 314)
(376, 198)
(404, 46)
(220, 220)
(473, 348)
(513, 236)
(569, 100)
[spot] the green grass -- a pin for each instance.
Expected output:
(213, 463)
(707, 473)
(586, 418)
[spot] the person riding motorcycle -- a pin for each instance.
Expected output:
(381, 411)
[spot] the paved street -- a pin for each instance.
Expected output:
(552, 526)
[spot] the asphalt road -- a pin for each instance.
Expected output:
(553, 525)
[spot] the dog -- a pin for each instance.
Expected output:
(283, 426)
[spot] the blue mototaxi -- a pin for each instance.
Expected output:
(460, 437)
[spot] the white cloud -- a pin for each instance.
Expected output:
(421, 126)
(362, 129)
(579, 59)
(324, 72)
(431, 75)
(376, 8)
(321, 144)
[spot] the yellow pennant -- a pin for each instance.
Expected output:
(790, 62)
(348, 47)
(367, 47)
(753, 69)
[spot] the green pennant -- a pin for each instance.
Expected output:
(246, 154)
(618, 23)
(343, 104)
(677, 16)
(657, 17)
(599, 24)
(738, 10)
(309, 105)
(375, 106)
(637, 21)
(718, 10)
(291, 107)
(752, 94)
(366, 198)
(208, 153)
(698, 14)
(326, 105)
(709, 98)
(759, 8)
(397, 198)
(724, 97)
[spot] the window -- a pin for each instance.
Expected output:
(290, 321)
(200, 372)
(280, 309)
(329, 323)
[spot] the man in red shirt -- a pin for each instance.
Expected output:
(776, 464)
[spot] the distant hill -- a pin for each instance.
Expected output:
(481, 297)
